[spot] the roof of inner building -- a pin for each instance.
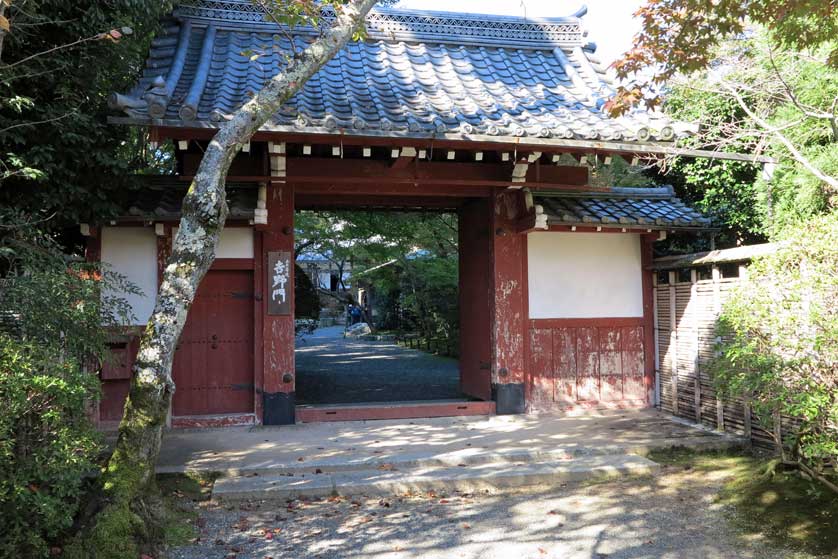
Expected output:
(654, 208)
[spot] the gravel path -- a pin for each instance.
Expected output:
(332, 369)
(671, 515)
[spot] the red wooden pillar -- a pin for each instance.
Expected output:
(277, 293)
(509, 314)
(475, 294)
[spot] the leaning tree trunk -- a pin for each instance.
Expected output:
(130, 519)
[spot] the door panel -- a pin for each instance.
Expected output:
(610, 365)
(587, 365)
(542, 372)
(213, 366)
(564, 354)
(633, 363)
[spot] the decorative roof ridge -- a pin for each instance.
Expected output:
(393, 24)
(640, 193)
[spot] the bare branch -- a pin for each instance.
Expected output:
(95, 37)
(777, 133)
(37, 122)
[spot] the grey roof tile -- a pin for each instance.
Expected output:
(655, 208)
(658, 208)
(417, 73)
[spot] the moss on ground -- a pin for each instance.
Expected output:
(788, 510)
(181, 494)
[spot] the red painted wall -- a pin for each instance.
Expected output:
(586, 362)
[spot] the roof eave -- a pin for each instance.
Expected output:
(640, 148)
(632, 227)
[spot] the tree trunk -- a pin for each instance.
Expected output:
(131, 499)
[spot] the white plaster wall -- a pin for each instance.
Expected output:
(132, 252)
(236, 242)
(584, 275)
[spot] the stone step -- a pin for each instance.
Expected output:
(389, 480)
(467, 456)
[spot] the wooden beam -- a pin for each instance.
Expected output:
(199, 130)
(378, 188)
(315, 201)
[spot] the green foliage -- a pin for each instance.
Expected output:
(47, 445)
(58, 154)
(794, 92)
(780, 342)
(51, 335)
(680, 36)
(306, 298)
(408, 260)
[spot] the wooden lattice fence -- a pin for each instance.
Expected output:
(689, 292)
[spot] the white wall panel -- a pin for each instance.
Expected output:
(236, 242)
(584, 275)
(132, 252)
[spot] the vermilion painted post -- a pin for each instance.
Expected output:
(278, 398)
(258, 324)
(508, 307)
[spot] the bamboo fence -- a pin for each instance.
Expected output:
(689, 292)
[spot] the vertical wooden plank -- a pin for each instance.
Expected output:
(541, 369)
(717, 309)
(564, 359)
(633, 357)
(656, 339)
(673, 341)
(587, 365)
(649, 372)
(258, 332)
(610, 364)
(696, 367)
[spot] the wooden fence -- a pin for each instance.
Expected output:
(445, 347)
(689, 292)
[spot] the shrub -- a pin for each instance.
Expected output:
(47, 445)
(54, 317)
(779, 344)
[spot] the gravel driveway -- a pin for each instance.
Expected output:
(670, 515)
(332, 369)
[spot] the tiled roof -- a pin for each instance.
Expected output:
(161, 196)
(418, 74)
(644, 208)
(652, 208)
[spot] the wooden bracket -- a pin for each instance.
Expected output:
(522, 165)
(405, 156)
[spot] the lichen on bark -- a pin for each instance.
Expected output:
(130, 519)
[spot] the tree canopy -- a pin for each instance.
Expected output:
(681, 36)
(59, 61)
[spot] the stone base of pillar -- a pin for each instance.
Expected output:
(278, 408)
(509, 398)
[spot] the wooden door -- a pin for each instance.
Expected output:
(213, 366)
